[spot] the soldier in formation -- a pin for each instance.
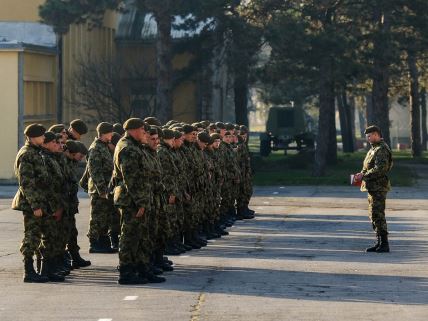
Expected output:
(154, 189)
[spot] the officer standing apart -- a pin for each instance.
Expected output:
(375, 182)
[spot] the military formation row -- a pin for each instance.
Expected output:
(154, 191)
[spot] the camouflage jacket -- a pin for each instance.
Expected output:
(130, 175)
(57, 188)
(154, 171)
(71, 169)
(377, 164)
(232, 171)
(34, 182)
(170, 172)
(99, 167)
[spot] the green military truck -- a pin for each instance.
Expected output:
(287, 128)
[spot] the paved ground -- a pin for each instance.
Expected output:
(301, 259)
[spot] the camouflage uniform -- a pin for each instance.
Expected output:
(100, 168)
(34, 180)
(72, 208)
(214, 191)
(133, 190)
(231, 177)
(377, 164)
(245, 185)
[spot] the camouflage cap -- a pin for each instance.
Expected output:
(49, 137)
(153, 121)
(168, 134)
(118, 128)
(372, 129)
(79, 126)
(57, 128)
(34, 130)
(104, 128)
(72, 146)
(115, 138)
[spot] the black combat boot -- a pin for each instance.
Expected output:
(78, 261)
(99, 246)
(375, 246)
(114, 242)
(30, 276)
(160, 263)
(48, 270)
(152, 278)
(59, 267)
(189, 241)
(127, 275)
(384, 244)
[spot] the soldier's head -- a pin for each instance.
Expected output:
(77, 129)
(227, 138)
(153, 139)
(137, 129)
(203, 140)
(216, 140)
(59, 129)
(168, 137)
(105, 132)
(243, 132)
(71, 149)
(373, 134)
(82, 151)
(118, 128)
(190, 133)
(51, 142)
(212, 128)
(114, 140)
(35, 134)
(179, 139)
(221, 128)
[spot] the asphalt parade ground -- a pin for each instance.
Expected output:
(302, 258)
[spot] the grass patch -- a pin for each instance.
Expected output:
(296, 169)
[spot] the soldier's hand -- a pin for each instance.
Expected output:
(58, 215)
(171, 199)
(38, 212)
(104, 196)
(140, 212)
(358, 177)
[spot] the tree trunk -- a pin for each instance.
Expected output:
(326, 126)
(345, 122)
(352, 122)
(381, 63)
(240, 88)
(424, 118)
(164, 66)
(369, 112)
(415, 113)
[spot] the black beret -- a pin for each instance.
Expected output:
(153, 131)
(179, 129)
(229, 126)
(240, 139)
(49, 136)
(227, 133)
(177, 134)
(152, 121)
(243, 129)
(115, 138)
(187, 129)
(135, 123)
(204, 137)
(220, 125)
(212, 126)
(118, 128)
(205, 123)
(72, 146)
(373, 129)
(215, 136)
(168, 134)
(57, 128)
(58, 137)
(34, 130)
(79, 126)
(104, 128)
(171, 122)
(82, 148)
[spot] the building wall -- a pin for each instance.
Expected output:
(9, 112)
(20, 10)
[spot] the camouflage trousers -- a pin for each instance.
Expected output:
(377, 212)
(228, 196)
(245, 192)
(39, 235)
(71, 233)
(134, 247)
(100, 216)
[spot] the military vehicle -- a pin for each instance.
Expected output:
(287, 128)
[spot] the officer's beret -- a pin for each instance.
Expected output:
(168, 134)
(82, 148)
(49, 136)
(227, 133)
(153, 131)
(372, 129)
(177, 134)
(104, 128)
(72, 146)
(135, 123)
(220, 125)
(215, 136)
(115, 138)
(153, 121)
(187, 129)
(118, 128)
(171, 122)
(204, 137)
(57, 128)
(34, 130)
(229, 126)
(79, 126)
(243, 129)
